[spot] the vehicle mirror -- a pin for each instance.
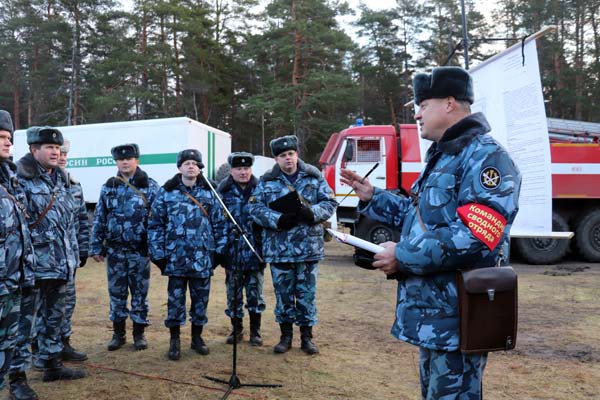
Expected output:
(349, 151)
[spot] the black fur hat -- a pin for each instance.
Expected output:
(189, 154)
(284, 143)
(240, 159)
(6, 124)
(443, 82)
(44, 135)
(123, 151)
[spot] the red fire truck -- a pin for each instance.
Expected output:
(575, 153)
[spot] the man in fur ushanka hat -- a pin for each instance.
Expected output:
(293, 239)
(466, 170)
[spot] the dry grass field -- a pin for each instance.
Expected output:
(557, 354)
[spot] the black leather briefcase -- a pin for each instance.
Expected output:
(487, 300)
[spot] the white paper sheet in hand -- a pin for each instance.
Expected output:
(356, 242)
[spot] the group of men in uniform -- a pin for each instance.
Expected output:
(43, 234)
(186, 228)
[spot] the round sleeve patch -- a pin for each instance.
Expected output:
(490, 178)
(485, 223)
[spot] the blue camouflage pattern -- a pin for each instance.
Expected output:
(181, 233)
(51, 310)
(53, 238)
(128, 272)
(21, 360)
(304, 242)
(121, 216)
(427, 307)
(10, 309)
(250, 282)
(17, 260)
(237, 254)
(295, 290)
(199, 291)
(83, 240)
(451, 375)
(120, 232)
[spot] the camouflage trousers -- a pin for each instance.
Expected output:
(21, 360)
(128, 271)
(51, 311)
(451, 375)
(10, 309)
(295, 287)
(252, 283)
(70, 301)
(199, 291)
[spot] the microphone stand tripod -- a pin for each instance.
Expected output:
(234, 381)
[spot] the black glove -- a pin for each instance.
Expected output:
(287, 221)
(82, 260)
(306, 215)
(161, 264)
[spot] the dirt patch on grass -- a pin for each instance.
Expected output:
(557, 354)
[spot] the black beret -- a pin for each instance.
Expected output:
(443, 82)
(44, 135)
(128, 150)
(6, 124)
(284, 143)
(189, 154)
(240, 159)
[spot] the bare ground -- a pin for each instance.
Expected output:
(557, 354)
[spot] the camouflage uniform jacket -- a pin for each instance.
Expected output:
(236, 199)
(303, 242)
(181, 233)
(466, 167)
(54, 239)
(17, 261)
(121, 217)
(82, 222)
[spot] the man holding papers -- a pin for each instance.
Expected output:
(458, 217)
(290, 202)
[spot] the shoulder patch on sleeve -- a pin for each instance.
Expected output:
(490, 178)
(485, 223)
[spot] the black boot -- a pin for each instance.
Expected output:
(197, 341)
(69, 353)
(237, 326)
(307, 345)
(175, 344)
(285, 342)
(54, 370)
(118, 339)
(19, 389)
(255, 339)
(139, 340)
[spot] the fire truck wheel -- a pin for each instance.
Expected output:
(375, 232)
(587, 235)
(543, 250)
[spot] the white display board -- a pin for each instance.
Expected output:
(508, 91)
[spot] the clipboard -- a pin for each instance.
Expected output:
(289, 203)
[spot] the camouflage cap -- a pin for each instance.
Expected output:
(44, 135)
(284, 143)
(123, 151)
(240, 159)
